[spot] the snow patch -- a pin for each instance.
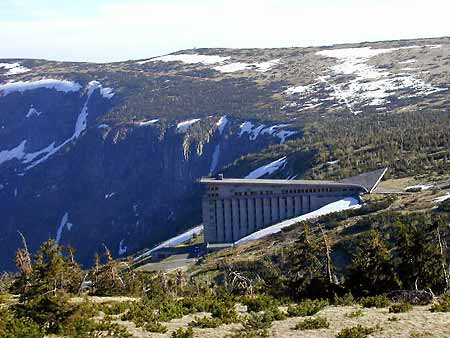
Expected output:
(103, 126)
(419, 187)
(122, 248)
(63, 224)
(22, 86)
(148, 123)
(32, 111)
(108, 196)
(442, 198)
(221, 124)
(185, 236)
(182, 127)
(341, 205)
(267, 169)
(14, 68)
(189, 58)
(370, 85)
(240, 66)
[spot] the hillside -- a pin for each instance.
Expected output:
(110, 153)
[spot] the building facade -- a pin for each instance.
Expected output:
(235, 208)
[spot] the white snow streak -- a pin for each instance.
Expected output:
(344, 204)
(122, 248)
(185, 236)
(268, 169)
(32, 111)
(148, 123)
(442, 198)
(221, 124)
(182, 127)
(22, 86)
(189, 58)
(14, 68)
(64, 224)
(240, 66)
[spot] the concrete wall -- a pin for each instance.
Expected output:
(231, 212)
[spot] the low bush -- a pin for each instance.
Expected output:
(306, 308)
(115, 308)
(156, 327)
(13, 327)
(225, 312)
(257, 321)
(400, 307)
(312, 324)
(88, 328)
(356, 332)
(276, 314)
(260, 303)
(205, 322)
(354, 314)
(378, 301)
(251, 334)
(443, 305)
(183, 333)
(345, 300)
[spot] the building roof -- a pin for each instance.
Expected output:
(367, 181)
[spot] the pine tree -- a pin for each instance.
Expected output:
(371, 270)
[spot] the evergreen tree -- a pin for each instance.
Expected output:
(371, 270)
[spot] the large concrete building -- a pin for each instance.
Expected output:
(235, 208)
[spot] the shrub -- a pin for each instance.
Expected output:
(260, 303)
(356, 332)
(225, 312)
(155, 327)
(312, 324)
(441, 306)
(345, 300)
(354, 314)
(115, 308)
(205, 322)
(87, 328)
(306, 308)
(183, 333)
(13, 327)
(258, 321)
(393, 319)
(276, 314)
(400, 307)
(378, 301)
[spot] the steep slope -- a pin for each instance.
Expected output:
(109, 153)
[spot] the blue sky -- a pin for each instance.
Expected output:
(113, 30)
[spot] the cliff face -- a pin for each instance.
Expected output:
(110, 153)
(69, 177)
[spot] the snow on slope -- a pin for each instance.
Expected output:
(354, 83)
(177, 240)
(221, 124)
(64, 224)
(189, 58)
(182, 127)
(33, 159)
(442, 198)
(240, 66)
(268, 168)
(22, 86)
(147, 123)
(344, 204)
(370, 85)
(14, 68)
(32, 111)
(276, 131)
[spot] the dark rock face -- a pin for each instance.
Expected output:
(127, 186)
